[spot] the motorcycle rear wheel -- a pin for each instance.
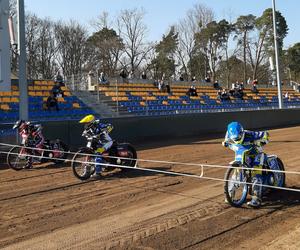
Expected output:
(63, 148)
(83, 164)
(235, 187)
(131, 159)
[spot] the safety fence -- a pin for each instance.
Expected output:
(153, 170)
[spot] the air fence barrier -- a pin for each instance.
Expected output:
(158, 171)
(142, 130)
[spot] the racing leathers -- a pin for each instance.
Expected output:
(35, 139)
(256, 160)
(101, 131)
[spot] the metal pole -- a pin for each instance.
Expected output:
(276, 58)
(98, 82)
(117, 94)
(73, 81)
(23, 86)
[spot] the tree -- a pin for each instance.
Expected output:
(293, 61)
(231, 69)
(265, 25)
(164, 63)
(106, 47)
(243, 26)
(212, 40)
(71, 47)
(263, 47)
(46, 50)
(196, 19)
(225, 30)
(40, 47)
(133, 32)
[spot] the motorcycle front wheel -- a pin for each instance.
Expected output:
(83, 164)
(16, 158)
(235, 186)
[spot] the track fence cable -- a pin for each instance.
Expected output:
(198, 176)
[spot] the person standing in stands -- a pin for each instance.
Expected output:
(59, 79)
(57, 91)
(144, 76)
(168, 89)
(52, 102)
(102, 79)
(124, 75)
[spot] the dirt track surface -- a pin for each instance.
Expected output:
(48, 208)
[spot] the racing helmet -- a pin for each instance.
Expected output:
(20, 124)
(88, 119)
(235, 132)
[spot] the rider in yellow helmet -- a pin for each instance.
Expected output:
(101, 130)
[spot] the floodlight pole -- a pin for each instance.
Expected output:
(276, 58)
(23, 88)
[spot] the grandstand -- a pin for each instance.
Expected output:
(70, 107)
(145, 99)
(136, 99)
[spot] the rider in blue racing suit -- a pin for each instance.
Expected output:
(237, 135)
(101, 131)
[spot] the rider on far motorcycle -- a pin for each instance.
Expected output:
(101, 131)
(33, 135)
(237, 135)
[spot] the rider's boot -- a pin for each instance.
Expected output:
(28, 164)
(255, 202)
(98, 167)
(257, 192)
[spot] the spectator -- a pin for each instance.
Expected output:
(159, 85)
(144, 76)
(124, 75)
(194, 79)
(225, 95)
(59, 79)
(286, 95)
(181, 78)
(254, 89)
(219, 93)
(238, 93)
(207, 79)
(102, 79)
(131, 75)
(192, 91)
(168, 89)
(241, 86)
(255, 82)
(216, 85)
(249, 81)
(52, 102)
(57, 91)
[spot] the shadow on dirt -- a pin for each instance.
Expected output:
(282, 198)
(134, 173)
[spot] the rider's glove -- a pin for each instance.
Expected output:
(225, 144)
(266, 137)
(100, 150)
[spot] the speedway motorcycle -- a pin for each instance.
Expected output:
(239, 176)
(119, 154)
(51, 151)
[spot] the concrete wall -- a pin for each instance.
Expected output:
(148, 129)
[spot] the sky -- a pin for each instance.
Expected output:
(161, 14)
